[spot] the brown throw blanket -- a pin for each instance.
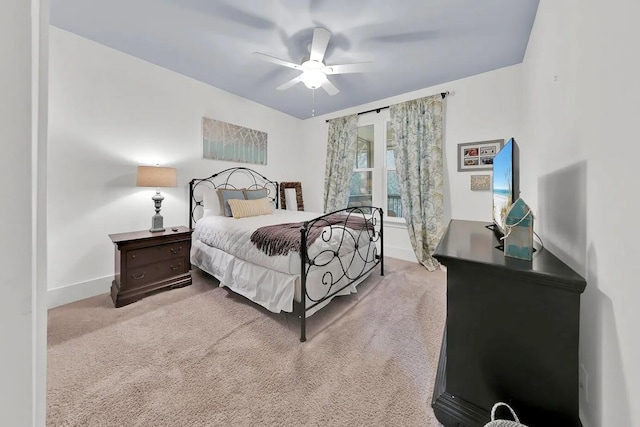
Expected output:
(280, 239)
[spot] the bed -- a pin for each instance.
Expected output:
(283, 260)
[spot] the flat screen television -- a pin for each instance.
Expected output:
(506, 184)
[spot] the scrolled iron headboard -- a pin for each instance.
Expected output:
(231, 178)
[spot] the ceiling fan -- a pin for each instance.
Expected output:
(314, 71)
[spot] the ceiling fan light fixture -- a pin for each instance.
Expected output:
(313, 79)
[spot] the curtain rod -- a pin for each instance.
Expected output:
(377, 110)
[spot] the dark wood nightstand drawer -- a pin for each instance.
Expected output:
(148, 255)
(146, 262)
(156, 271)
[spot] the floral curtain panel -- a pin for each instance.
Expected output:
(341, 157)
(417, 144)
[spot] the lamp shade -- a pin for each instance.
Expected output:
(155, 176)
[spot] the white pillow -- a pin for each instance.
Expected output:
(210, 202)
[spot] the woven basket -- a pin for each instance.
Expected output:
(503, 423)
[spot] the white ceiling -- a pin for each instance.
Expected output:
(413, 43)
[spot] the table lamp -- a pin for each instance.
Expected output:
(156, 176)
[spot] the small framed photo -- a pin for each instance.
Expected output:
(480, 182)
(478, 156)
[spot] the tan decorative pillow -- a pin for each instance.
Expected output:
(247, 208)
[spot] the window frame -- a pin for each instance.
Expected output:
(381, 122)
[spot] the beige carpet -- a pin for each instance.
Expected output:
(203, 356)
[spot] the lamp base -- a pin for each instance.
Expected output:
(156, 223)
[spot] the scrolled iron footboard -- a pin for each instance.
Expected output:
(348, 260)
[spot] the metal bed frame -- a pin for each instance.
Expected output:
(373, 217)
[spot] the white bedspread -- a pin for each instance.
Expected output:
(222, 247)
(233, 236)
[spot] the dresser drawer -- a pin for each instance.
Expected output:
(143, 256)
(156, 271)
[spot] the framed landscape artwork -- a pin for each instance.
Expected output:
(478, 156)
(226, 141)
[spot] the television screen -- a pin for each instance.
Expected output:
(505, 184)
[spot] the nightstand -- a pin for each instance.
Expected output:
(146, 262)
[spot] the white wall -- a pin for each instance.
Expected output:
(581, 92)
(22, 262)
(110, 112)
(483, 107)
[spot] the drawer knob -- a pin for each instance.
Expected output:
(177, 267)
(174, 251)
(138, 277)
(133, 256)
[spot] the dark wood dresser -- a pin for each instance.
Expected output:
(511, 333)
(146, 262)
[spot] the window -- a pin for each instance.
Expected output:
(361, 193)
(374, 181)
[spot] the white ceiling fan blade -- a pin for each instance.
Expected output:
(329, 88)
(278, 61)
(319, 44)
(290, 83)
(357, 67)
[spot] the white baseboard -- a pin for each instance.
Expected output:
(77, 291)
(400, 253)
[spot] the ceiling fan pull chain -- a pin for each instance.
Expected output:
(313, 100)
